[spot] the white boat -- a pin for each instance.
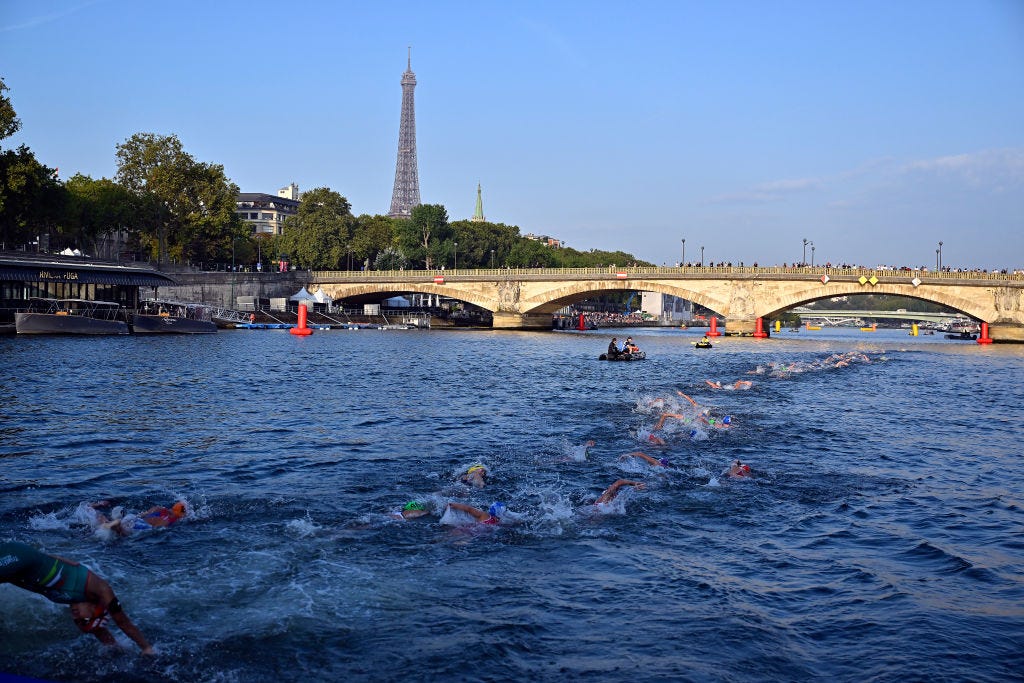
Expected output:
(71, 316)
(172, 317)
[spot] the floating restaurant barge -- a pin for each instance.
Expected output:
(25, 278)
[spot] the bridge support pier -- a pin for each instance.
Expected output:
(741, 328)
(1006, 332)
(521, 321)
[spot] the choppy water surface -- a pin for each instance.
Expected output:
(881, 537)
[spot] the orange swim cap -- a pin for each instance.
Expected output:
(179, 508)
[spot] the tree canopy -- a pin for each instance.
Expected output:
(320, 235)
(425, 237)
(188, 207)
(31, 197)
(94, 208)
(9, 121)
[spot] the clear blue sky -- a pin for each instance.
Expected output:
(873, 128)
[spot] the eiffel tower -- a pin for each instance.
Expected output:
(407, 179)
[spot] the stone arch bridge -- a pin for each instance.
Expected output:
(527, 298)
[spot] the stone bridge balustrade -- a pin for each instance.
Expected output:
(526, 298)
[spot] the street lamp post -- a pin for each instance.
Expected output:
(683, 262)
(940, 256)
(812, 254)
(702, 256)
(492, 259)
(231, 303)
(804, 261)
(936, 260)
(456, 256)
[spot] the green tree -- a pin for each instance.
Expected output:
(267, 247)
(9, 121)
(426, 236)
(94, 209)
(477, 239)
(186, 207)
(527, 253)
(211, 227)
(372, 236)
(319, 235)
(389, 259)
(31, 198)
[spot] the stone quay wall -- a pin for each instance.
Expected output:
(223, 289)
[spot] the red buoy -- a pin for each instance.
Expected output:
(582, 324)
(301, 330)
(713, 332)
(759, 332)
(983, 338)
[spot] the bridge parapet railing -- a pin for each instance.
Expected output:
(632, 272)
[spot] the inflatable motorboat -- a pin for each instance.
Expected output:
(636, 355)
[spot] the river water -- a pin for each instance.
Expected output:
(880, 537)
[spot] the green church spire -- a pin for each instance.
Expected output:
(478, 215)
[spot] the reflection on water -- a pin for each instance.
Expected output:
(884, 506)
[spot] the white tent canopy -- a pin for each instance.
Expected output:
(396, 302)
(302, 295)
(322, 297)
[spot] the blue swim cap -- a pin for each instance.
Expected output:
(693, 433)
(727, 419)
(665, 463)
(496, 509)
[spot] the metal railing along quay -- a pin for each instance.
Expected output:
(685, 272)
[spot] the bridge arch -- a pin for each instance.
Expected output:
(938, 296)
(390, 289)
(559, 297)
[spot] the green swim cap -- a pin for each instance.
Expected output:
(413, 505)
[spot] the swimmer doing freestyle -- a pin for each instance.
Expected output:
(492, 516)
(155, 517)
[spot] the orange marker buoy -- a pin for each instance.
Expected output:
(713, 332)
(983, 338)
(582, 326)
(301, 330)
